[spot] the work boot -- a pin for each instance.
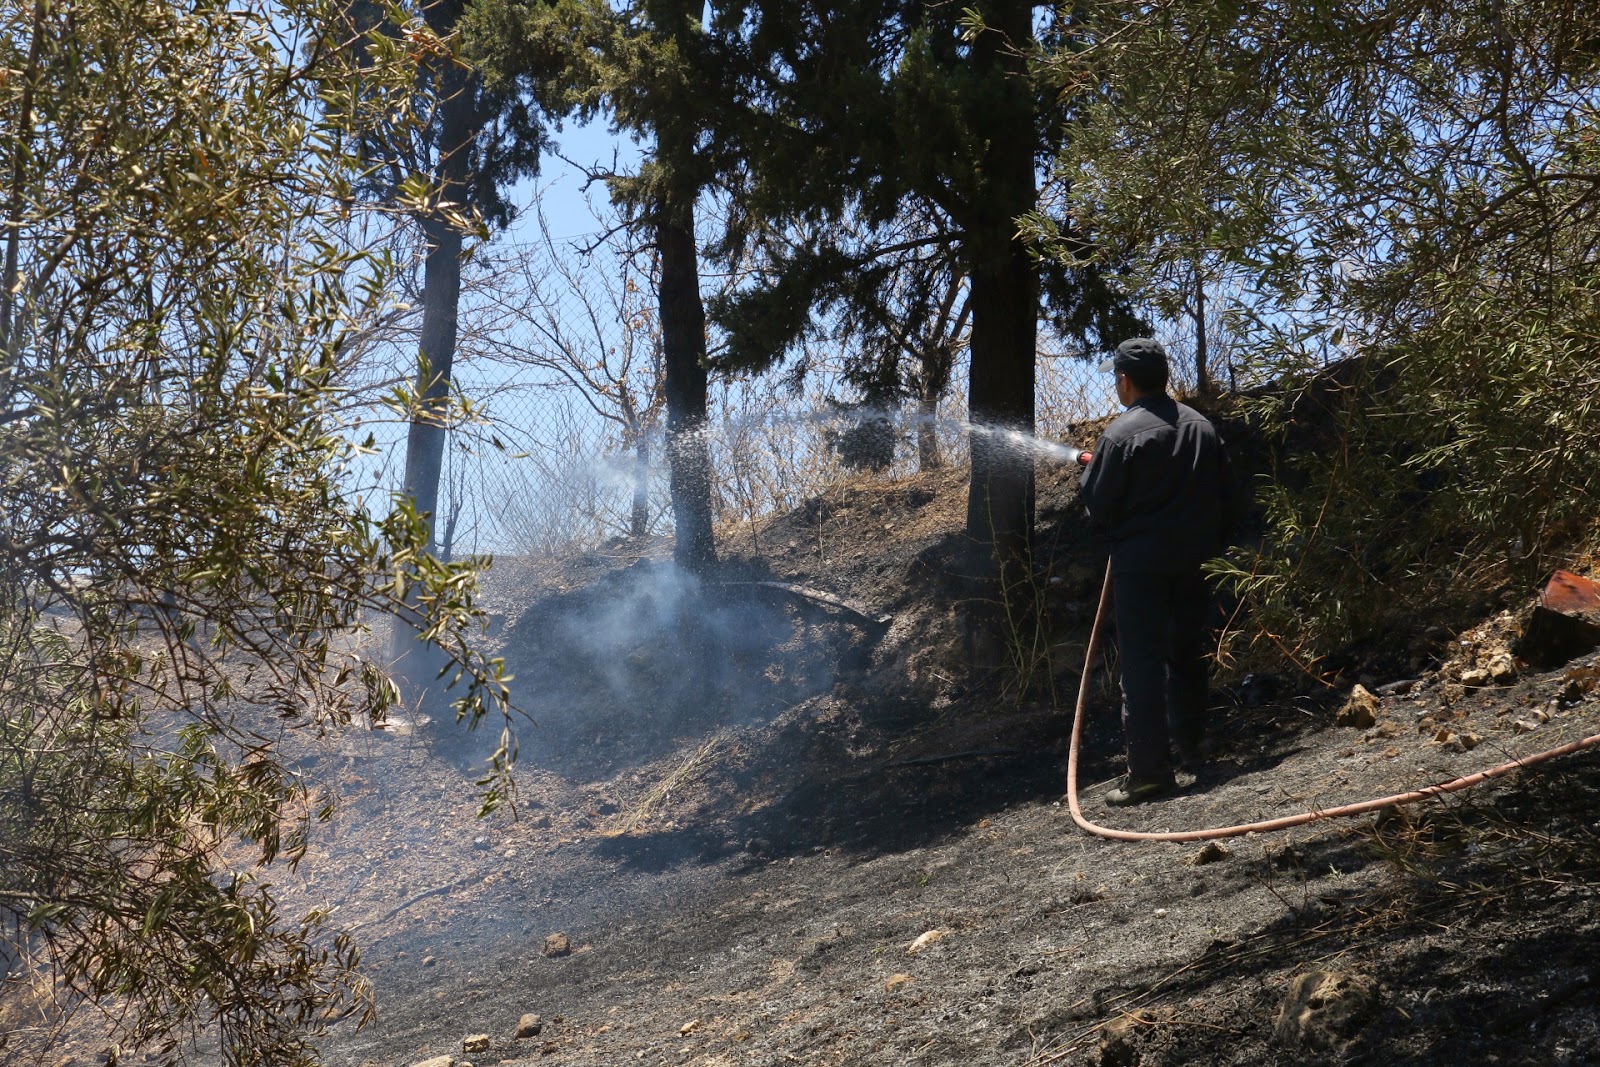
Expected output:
(1132, 792)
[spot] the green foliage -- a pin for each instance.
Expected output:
(1411, 184)
(185, 566)
(456, 136)
(873, 175)
(651, 67)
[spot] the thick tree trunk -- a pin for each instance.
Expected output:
(683, 344)
(441, 297)
(1004, 301)
(1000, 501)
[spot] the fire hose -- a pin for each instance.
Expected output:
(1343, 811)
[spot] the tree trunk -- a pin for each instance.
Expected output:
(929, 456)
(639, 521)
(441, 293)
(441, 297)
(1004, 300)
(1000, 501)
(683, 344)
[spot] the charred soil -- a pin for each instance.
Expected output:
(770, 818)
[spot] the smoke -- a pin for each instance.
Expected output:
(620, 671)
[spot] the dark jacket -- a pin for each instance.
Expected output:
(1162, 488)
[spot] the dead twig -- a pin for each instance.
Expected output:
(866, 615)
(464, 880)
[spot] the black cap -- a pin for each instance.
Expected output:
(1139, 354)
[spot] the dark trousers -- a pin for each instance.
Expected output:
(1162, 639)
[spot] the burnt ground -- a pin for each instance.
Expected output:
(773, 830)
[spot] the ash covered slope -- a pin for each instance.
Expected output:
(846, 850)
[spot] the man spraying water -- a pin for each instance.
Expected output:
(1160, 486)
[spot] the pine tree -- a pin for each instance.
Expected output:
(884, 111)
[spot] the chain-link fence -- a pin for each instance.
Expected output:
(559, 370)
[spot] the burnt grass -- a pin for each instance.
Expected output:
(774, 831)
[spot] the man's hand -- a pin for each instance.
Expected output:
(1085, 458)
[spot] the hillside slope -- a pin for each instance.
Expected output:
(759, 827)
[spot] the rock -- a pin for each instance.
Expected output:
(530, 1025)
(932, 937)
(1579, 682)
(897, 981)
(481, 844)
(1324, 1009)
(1211, 853)
(1564, 625)
(437, 1061)
(1360, 710)
(476, 1043)
(1502, 668)
(1464, 741)
(1388, 731)
(1476, 677)
(556, 946)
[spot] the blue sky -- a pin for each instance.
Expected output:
(559, 185)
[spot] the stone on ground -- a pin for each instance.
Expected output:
(1324, 1008)
(1360, 710)
(1211, 853)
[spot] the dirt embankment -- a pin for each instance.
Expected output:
(759, 827)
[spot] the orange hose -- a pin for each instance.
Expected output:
(1212, 833)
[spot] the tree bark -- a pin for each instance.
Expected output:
(441, 294)
(929, 455)
(683, 344)
(639, 520)
(441, 297)
(1004, 299)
